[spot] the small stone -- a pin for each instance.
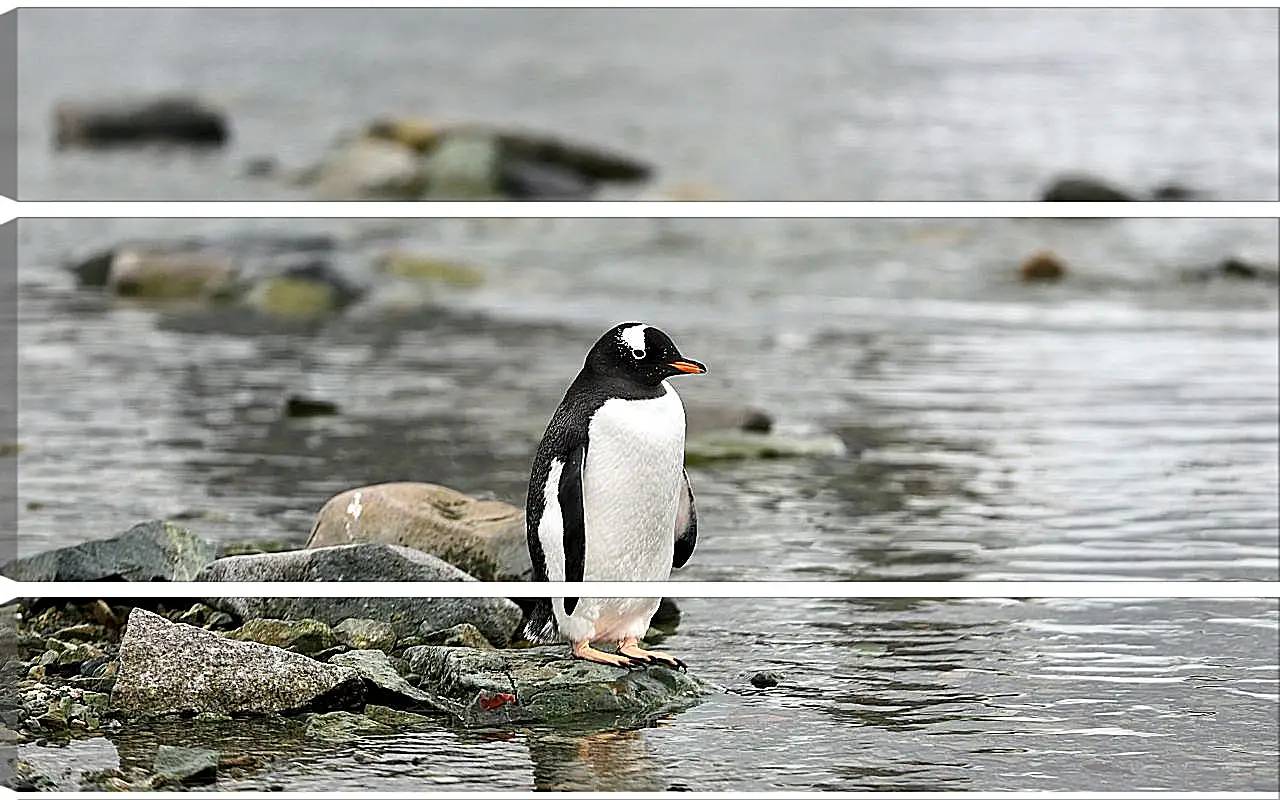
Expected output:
(237, 760)
(186, 764)
(220, 621)
(395, 717)
(84, 632)
(307, 636)
(366, 634)
(296, 406)
(429, 268)
(103, 615)
(1083, 188)
(1042, 266)
(339, 726)
(766, 680)
(462, 635)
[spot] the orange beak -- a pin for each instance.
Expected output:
(691, 367)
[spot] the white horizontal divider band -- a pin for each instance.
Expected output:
(707, 589)
(636, 209)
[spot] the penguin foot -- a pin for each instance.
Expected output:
(632, 649)
(586, 652)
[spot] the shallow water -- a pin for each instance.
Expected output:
(1121, 424)
(978, 695)
(756, 104)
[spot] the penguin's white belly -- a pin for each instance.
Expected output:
(605, 619)
(631, 488)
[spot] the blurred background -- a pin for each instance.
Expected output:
(944, 399)
(748, 104)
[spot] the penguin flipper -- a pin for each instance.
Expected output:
(571, 511)
(686, 526)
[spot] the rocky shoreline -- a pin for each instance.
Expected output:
(81, 669)
(335, 668)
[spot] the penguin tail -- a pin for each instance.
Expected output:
(540, 624)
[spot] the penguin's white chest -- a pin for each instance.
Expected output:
(631, 488)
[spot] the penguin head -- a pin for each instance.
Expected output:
(640, 353)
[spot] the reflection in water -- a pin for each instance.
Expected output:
(605, 761)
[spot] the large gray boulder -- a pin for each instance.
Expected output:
(496, 617)
(484, 538)
(149, 551)
(545, 684)
(172, 668)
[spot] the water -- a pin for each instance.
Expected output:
(1123, 424)
(757, 104)
(913, 695)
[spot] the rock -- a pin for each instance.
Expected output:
(395, 717)
(260, 167)
(766, 680)
(1042, 265)
(1083, 188)
(586, 163)
(296, 406)
(418, 267)
(302, 289)
(366, 634)
(384, 683)
(1235, 269)
(367, 167)
(171, 668)
(149, 551)
(464, 635)
(737, 446)
(484, 538)
(521, 179)
(177, 275)
(306, 636)
(103, 615)
(186, 764)
(166, 119)
(1174, 192)
(496, 617)
(83, 632)
(545, 684)
(27, 777)
(465, 165)
(343, 726)
(705, 418)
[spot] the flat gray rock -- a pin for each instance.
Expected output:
(150, 551)
(497, 618)
(385, 684)
(171, 668)
(545, 684)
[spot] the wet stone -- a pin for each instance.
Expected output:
(547, 684)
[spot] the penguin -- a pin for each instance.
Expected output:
(609, 497)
